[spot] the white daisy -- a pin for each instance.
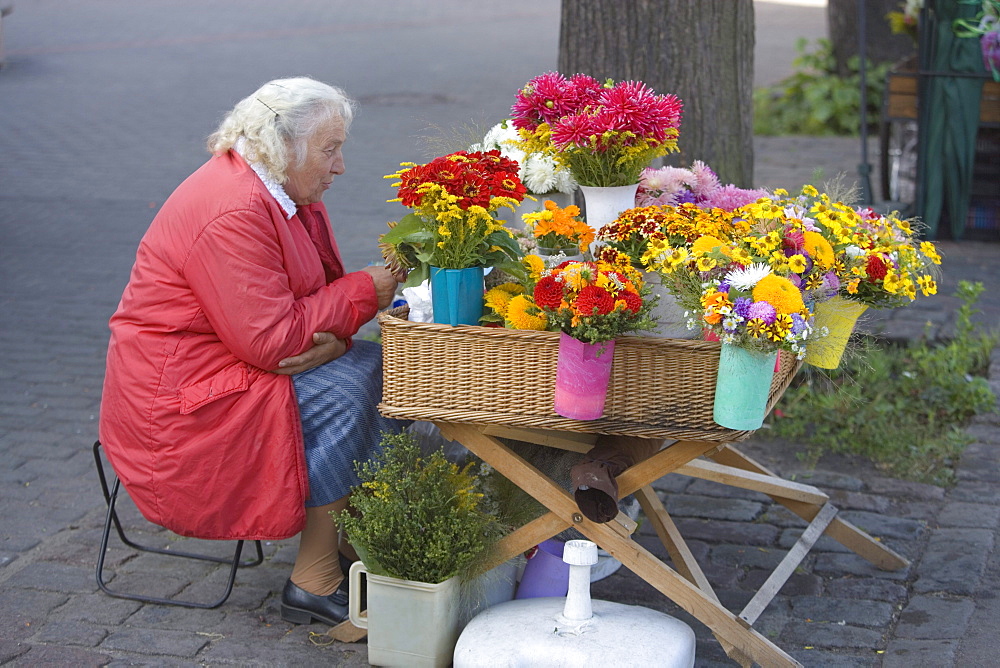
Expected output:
(747, 277)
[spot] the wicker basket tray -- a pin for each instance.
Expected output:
(660, 388)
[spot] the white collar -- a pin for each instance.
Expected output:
(272, 186)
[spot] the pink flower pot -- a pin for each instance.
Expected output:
(582, 374)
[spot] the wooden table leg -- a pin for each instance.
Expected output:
(681, 555)
(840, 530)
(635, 557)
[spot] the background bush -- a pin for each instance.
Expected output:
(903, 407)
(815, 101)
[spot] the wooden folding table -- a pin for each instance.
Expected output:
(480, 385)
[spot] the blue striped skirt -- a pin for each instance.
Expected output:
(340, 419)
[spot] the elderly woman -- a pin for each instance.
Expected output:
(235, 401)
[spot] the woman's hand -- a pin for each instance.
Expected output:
(385, 284)
(326, 348)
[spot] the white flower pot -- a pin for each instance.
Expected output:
(602, 206)
(668, 312)
(409, 623)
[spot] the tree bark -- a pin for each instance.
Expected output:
(700, 51)
(880, 44)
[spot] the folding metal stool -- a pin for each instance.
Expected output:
(111, 497)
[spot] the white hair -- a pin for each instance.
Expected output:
(277, 121)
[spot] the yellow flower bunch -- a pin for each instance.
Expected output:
(743, 279)
(511, 306)
(877, 259)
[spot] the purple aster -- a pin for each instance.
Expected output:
(798, 324)
(762, 310)
(831, 282)
(685, 197)
(742, 307)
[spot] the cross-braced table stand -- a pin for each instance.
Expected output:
(660, 388)
(687, 586)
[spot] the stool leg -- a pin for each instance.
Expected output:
(111, 519)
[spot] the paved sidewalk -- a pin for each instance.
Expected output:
(103, 110)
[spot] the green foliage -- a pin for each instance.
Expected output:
(418, 518)
(902, 407)
(814, 100)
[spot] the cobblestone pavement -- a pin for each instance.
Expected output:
(103, 110)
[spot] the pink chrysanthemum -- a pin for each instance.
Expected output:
(662, 186)
(573, 130)
(635, 107)
(704, 181)
(730, 198)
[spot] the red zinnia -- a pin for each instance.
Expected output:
(876, 268)
(593, 300)
(548, 293)
(472, 190)
(633, 302)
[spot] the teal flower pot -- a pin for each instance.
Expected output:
(457, 295)
(742, 387)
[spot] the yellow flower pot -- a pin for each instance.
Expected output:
(838, 316)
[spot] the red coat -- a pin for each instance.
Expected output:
(207, 442)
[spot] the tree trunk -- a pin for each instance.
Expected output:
(700, 51)
(881, 45)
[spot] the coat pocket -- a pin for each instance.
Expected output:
(231, 379)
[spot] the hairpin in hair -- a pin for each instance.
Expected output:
(276, 114)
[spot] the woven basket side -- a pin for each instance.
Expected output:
(659, 387)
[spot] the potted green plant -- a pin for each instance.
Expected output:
(420, 524)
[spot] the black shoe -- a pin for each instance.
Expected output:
(300, 607)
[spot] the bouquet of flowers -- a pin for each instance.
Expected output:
(877, 258)
(672, 228)
(560, 229)
(605, 134)
(698, 185)
(593, 301)
(539, 172)
(453, 226)
(418, 518)
(747, 288)
(590, 301)
(905, 20)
